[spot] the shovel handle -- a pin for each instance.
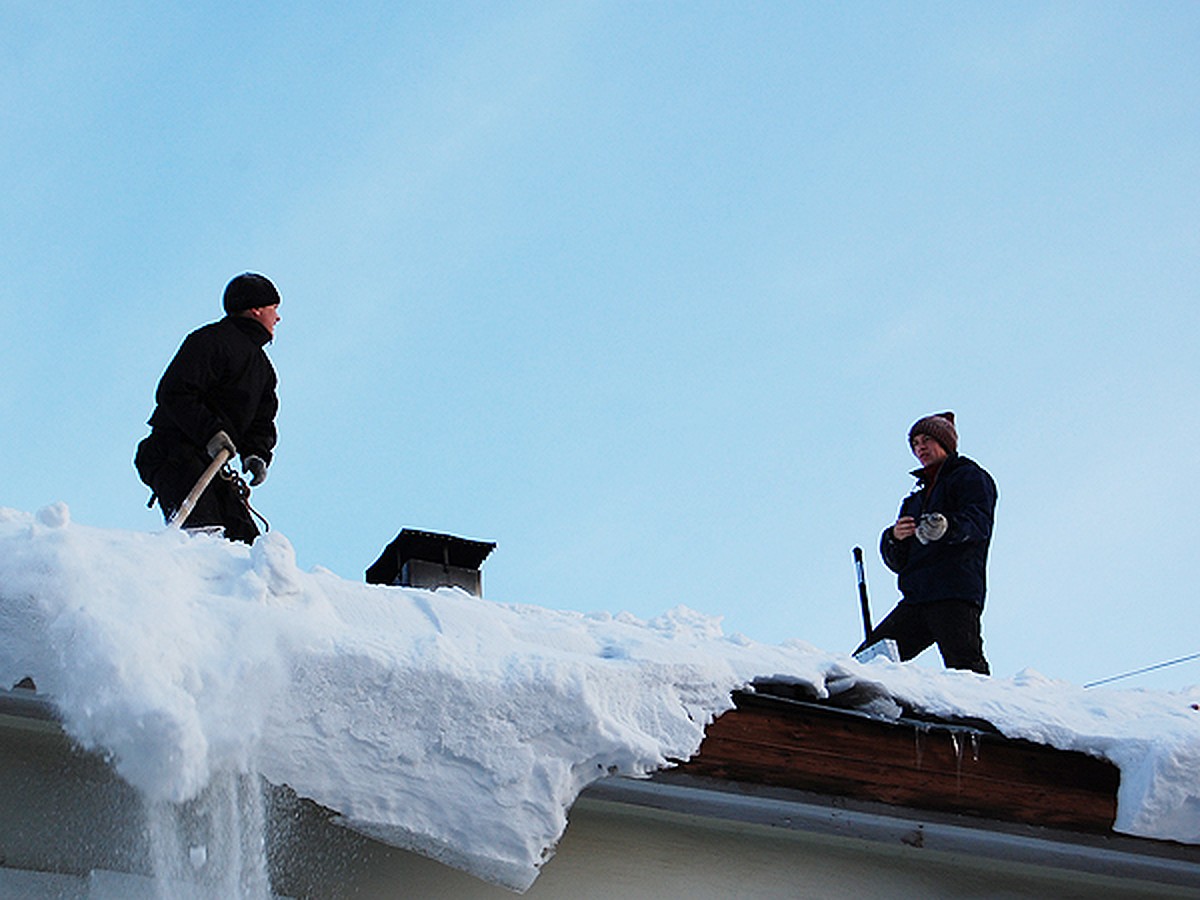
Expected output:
(863, 603)
(189, 502)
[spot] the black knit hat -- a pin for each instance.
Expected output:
(939, 427)
(249, 291)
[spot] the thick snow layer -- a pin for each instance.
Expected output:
(458, 727)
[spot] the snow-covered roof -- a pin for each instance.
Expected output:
(459, 727)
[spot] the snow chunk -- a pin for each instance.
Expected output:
(57, 515)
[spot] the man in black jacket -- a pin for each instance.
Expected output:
(218, 393)
(938, 547)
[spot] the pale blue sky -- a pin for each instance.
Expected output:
(648, 293)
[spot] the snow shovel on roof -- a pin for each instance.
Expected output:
(887, 647)
(189, 502)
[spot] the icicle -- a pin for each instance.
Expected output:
(956, 740)
(919, 732)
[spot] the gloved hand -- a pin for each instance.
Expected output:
(257, 467)
(218, 442)
(931, 527)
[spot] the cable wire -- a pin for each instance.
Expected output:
(1161, 665)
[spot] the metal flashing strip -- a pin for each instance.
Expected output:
(1137, 859)
(908, 717)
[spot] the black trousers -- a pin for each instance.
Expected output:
(953, 625)
(172, 469)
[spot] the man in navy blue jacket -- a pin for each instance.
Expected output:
(218, 393)
(938, 547)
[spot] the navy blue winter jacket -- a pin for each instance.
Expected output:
(954, 567)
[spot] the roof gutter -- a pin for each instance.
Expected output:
(1116, 856)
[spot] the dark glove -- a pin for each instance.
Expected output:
(218, 442)
(257, 467)
(931, 527)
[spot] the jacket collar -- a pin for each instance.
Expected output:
(929, 474)
(251, 329)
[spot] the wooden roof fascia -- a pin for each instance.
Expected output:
(925, 765)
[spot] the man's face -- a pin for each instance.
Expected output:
(266, 316)
(927, 450)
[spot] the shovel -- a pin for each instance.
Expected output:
(863, 603)
(189, 502)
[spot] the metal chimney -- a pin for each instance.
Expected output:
(425, 559)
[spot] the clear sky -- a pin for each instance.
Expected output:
(648, 293)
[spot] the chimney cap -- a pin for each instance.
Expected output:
(443, 549)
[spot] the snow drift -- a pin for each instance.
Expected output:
(457, 727)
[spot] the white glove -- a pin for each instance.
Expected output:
(931, 527)
(257, 467)
(218, 442)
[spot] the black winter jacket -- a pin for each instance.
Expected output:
(954, 567)
(220, 380)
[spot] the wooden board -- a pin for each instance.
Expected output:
(906, 763)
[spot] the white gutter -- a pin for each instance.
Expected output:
(1112, 856)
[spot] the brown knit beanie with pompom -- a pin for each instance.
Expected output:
(939, 427)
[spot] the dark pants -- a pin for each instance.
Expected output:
(172, 469)
(951, 624)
